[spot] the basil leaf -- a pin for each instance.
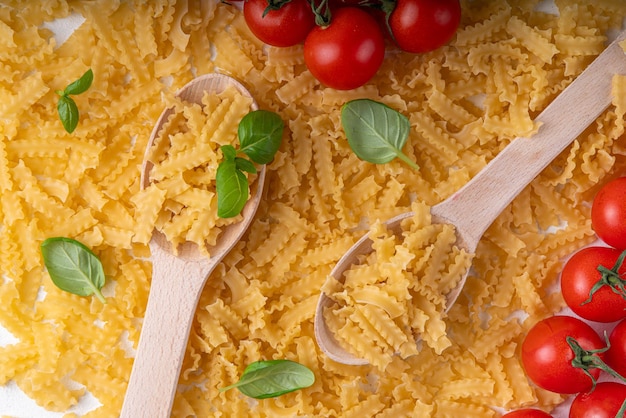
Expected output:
(376, 133)
(68, 113)
(257, 365)
(269, 379)
(232, 189)
(81, 85)
(245, 165)
(73, 267)
(260, 134)
(229, 152)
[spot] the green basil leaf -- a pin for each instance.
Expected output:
(68, 113)
(245, 165)
(260, 134)
(73, 267)
(257, 365)
(229, 152)
(376, 133)
(81, 85)
(272, 378)
(232, 189)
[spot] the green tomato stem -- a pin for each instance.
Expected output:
(611, 278)
(589, 359)
(322, 13)
(274, 5)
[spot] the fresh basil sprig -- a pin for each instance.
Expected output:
(272, 378)
(68, 111)
(260, 134)
(376, 133)
(73, 267)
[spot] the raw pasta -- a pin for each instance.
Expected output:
(465, 101)
(401, 271)
(189, 144)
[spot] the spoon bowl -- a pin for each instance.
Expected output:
(177, 282)
(474, 207)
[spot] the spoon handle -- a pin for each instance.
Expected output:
(174, 293)
(476, 205)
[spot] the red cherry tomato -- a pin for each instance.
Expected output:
(348, 52)
(616, 354)
(527, 413)
(579, 276)
(286, 26)
(341, 3)
(547, 356)
(604, 401)
(608, 213)
(424, 25)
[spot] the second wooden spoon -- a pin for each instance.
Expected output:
(474, 207)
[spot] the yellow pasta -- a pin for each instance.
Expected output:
(6, 183)
(232, 60)
(232, 322)
(285, 56)
(482, 31)
(533, 40)
(448, 110)
(26, 93)
(455, 409)
(296, 87)
(180, 210)
(438, 142)
(391, 267)
(579, 45)
(465, 102)
(22, 355)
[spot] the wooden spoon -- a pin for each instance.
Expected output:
(474, 207)
(177, 282)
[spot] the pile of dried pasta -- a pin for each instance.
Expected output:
(465, 102)
(396, 295)
(180, 201)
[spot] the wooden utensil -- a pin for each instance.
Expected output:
(177, 282)
(474, 207)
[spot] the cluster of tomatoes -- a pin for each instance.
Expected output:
(566, 355)
(344, 40)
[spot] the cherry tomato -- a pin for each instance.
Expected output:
(341, 3)
(608, 213)
(527, 413)
(579, 276)
(547, 356)
(424, 25)
(286, 25)
(348, 52)
(616, 354)
(604, 401)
